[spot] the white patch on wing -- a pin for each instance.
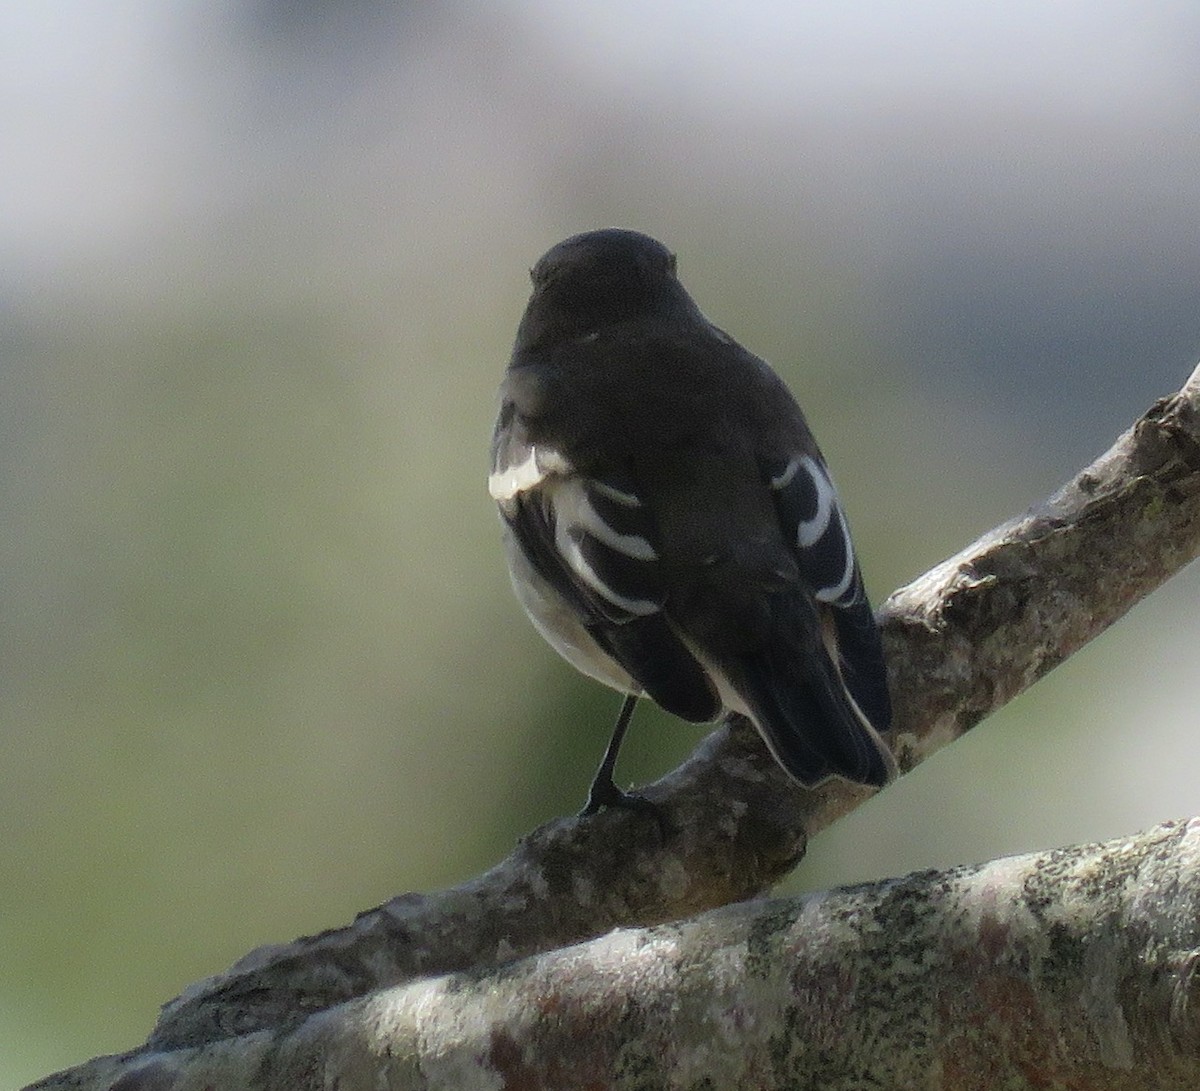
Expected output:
(585, 516)
(573, 510)
(571, 553)
(506, 482)
(783, 480)
(834, 592)
(620, 496)
(810, 531)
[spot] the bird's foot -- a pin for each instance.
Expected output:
(605, 794)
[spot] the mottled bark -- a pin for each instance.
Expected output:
(1071, 969)
(962, 640)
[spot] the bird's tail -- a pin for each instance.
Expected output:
(820, 713)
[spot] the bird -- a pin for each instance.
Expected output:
(670, 524)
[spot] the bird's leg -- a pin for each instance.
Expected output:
(604, 792)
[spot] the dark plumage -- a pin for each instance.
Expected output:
(671, 525)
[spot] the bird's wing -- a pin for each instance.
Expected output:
(821, 685)
(593, 541)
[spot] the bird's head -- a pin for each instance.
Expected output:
(599, 279)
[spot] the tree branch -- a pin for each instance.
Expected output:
(961, 641)
(1065, 969)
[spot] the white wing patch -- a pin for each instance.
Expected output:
(783, 480)
(620, 496)
(836, 592)
(586, 517)
(506, 482)
(811, 531)
(575, 518)
(822, 536)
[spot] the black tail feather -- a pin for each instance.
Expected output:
(665, 669)
(801, 705)
(863, 670)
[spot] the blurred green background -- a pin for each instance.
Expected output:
(261, 267)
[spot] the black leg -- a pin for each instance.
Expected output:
(604, 792)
